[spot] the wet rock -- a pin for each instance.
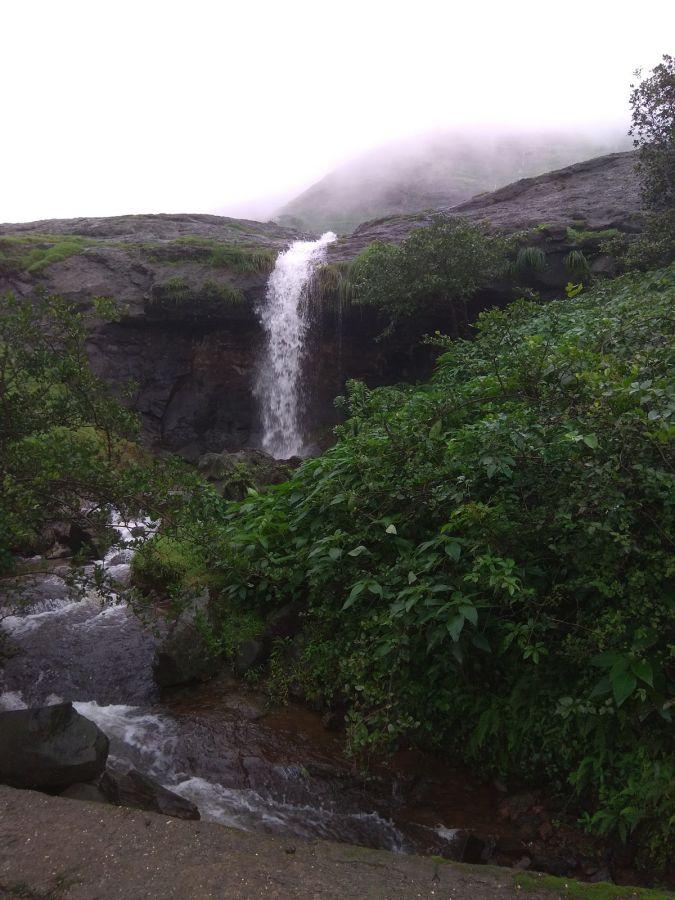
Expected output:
(139, 791)
(334, 720)
(473, 849)
(602, 874)
(286, 622)
(510, 846)
(185, 654)
(50, 748)
(85, 791)
(554, 865)
(250, 655)
(233, 473)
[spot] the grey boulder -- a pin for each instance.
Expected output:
(50, 748)
(185, 654)
(142, 792)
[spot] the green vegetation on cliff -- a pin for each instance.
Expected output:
(227, 255)
(33, 252)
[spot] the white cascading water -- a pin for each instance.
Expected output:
(284, 319)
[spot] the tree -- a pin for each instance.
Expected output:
(446, 261)
(652, 103)
(67, 448)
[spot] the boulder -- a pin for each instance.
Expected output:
(50, 748)
(185, 655)
(85, 790)
(250, 655)
(233, 473)
(285, 622)
(139, 791)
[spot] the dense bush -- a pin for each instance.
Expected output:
(67, 448)
(654, 246)
(445, 262)
(485, 559)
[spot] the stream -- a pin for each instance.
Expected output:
(216, 743)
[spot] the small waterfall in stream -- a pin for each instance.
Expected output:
(285, 322)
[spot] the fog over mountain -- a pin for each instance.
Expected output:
(436, 170)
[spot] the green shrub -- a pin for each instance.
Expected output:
(166, 567)
(531, 259)
(65, 444)
(176, 292)
(590, 238)
(576, 262)
(234, 257)
(654, 246)
(220, 292)
(446, 262)
(485, 557)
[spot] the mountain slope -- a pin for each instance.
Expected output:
(438, 172)
(596, 194)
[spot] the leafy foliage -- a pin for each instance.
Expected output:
(446, 262)
(652, 104)
(67, 449)
(487, 559)
(653, 247)
(530, 259)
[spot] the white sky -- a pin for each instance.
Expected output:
(195, 106)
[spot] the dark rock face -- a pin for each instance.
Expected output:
(50, 748)
(189, 337)
(139, 791)
(184, 655)
(251, 654)
(193, 358)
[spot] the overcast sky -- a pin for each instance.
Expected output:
(194, 106)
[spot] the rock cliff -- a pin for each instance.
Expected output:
(189, 337)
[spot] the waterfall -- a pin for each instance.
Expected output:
(284, 319)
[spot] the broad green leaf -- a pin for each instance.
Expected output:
(455, 626)
(623, 685)
(453, 551)
(644, 672)
(470, 612)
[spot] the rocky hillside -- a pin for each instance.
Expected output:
(594, 195)
(189, 338)
(434, 172)
(188, 286)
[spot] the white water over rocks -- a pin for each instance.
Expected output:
(284, 319)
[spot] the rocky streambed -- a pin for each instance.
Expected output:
(235, 761)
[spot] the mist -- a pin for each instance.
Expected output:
(222, 108)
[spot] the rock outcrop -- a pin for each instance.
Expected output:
(596, 194)
(50, 748)
(185, 655)
(138, 791)
(438, 171)
(190, 341)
